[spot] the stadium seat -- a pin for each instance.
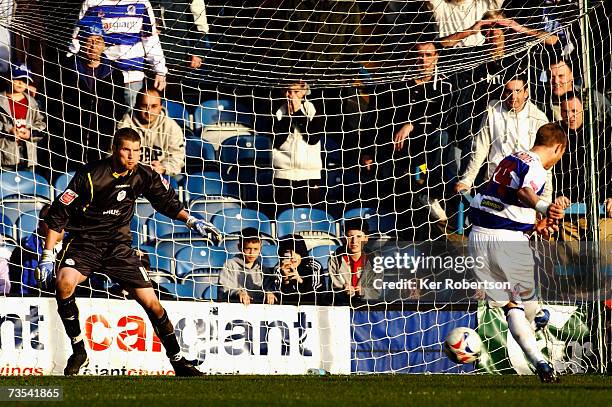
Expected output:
(13, 208)
(207, 209)
(233, 221)
(306, 222)
(198, 155)
(217, 111)
(199, 260)
(383, 224)
(161, 227)
(6, 228)
(210, 293)
(247, 149)
(322, 253)
(269, 255)
(27, 224)
(208, 186)
(61, 183)
(177, 111)
(23, 185)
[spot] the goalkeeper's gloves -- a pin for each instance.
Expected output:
(204, 228)
(44, 270)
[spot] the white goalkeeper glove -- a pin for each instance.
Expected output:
(204, 228)
(44, 270)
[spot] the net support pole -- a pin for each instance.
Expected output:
(592, 205)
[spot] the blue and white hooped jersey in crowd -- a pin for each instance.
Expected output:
(496, 205)
(129, 32)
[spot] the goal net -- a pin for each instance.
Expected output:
(298, 119)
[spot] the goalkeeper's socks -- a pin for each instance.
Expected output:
(165, 331)
(69, 313)
(521, 331)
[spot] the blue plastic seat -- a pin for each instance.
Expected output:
(209, 186)
(61, 183)
(177, 111)
(321, 254)
(233, 221)
(197, 148)
(6, 228)
(13, 208)
(217, 111)
(199, 260)
(246, 149)
(210, 293)
(378, 223)
(207, 209)
(23, 185)
(27, 224)
(269, 255)
(305, 221)
(161, 227)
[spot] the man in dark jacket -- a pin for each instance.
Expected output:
(97, 208)
(91, 93)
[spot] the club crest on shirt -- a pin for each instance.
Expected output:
(68, 196)
(131, 10)
(164, 181)
(121, 196)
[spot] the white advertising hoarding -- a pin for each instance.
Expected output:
(219, 337)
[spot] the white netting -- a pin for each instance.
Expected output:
(392, 99)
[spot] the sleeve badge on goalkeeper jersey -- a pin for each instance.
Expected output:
(68, 196)
(164, 181)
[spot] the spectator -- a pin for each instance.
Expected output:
(298, 277)
(561, 83)
(569, 174)
(183, 27)
(24, 258)
(243, 278)
(163, 141)
(131, 37)
(21, 121)
(92, 100)
(459, 21)
(350, 268)
(5, 278)
(478, 86)
(510, 125)
(414, 112)
(296, 150)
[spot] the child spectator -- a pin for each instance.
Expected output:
(5, 279)
(350, 268)
(298, 277)
(21, 123)
(242, 278)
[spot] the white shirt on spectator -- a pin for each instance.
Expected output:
(458, 16)
(504, 132)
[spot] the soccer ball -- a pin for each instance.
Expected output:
(463, 345)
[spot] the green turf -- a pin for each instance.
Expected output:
(356, 391)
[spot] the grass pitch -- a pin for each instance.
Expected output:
(356, 391)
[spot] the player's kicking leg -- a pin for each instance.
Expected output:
(165, 331)
(66, 281)
(520, 317)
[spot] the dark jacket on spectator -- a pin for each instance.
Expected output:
(309, 270)
(570, 174)
(89, 105)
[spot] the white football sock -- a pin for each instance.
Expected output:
(523, 334)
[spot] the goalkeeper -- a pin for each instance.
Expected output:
(96, 209)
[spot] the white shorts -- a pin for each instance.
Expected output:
(507, 259)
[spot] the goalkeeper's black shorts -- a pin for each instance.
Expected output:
(119, 261)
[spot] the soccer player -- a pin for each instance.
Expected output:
(503, 212)
(96, 208)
